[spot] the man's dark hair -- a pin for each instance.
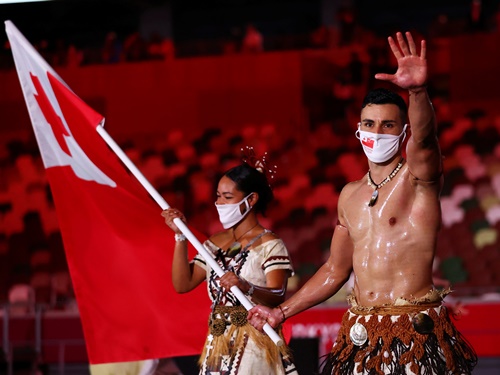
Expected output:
(385, 96)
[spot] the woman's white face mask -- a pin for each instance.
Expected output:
(379, 148)
(230, 214)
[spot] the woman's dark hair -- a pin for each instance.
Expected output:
(385, 96)
(249, 180)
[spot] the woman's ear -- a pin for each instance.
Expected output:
(254, 198)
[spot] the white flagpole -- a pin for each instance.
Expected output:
(183, 227)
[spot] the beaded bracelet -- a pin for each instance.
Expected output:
(282, 312)
(179, 237)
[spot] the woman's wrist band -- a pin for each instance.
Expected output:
(179, 237)
(282, 312)
(251, 289)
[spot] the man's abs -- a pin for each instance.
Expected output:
(381, 277)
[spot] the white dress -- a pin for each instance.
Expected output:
(238, 348)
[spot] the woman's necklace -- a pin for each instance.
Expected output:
(374, 197)
(236, 245)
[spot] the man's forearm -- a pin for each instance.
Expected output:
(421, 115)
(318, 289)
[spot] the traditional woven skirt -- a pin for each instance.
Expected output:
(233, 347)
(415, 338)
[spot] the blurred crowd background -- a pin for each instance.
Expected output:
(341, 45)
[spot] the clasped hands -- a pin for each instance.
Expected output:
(259, 315)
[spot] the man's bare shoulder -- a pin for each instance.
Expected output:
(351, 188)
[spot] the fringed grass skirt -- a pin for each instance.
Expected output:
(233, 346)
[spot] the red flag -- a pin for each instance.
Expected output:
(117, 246)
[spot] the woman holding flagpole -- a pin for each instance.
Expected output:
(254, 259)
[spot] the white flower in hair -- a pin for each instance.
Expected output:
(259, 166)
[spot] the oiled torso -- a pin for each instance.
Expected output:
(394, 240)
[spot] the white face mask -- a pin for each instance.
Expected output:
(380, 147)
(230, 214)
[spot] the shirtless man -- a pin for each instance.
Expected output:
(388, 224)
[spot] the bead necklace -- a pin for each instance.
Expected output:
(374, 197)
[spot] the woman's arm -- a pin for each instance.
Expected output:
(270, 295)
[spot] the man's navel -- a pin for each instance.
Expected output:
(392, 221)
